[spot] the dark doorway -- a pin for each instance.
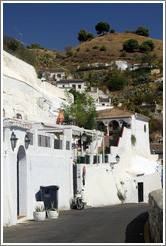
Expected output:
(140, 192)
(21, 182)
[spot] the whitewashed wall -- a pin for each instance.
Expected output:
(39, 166)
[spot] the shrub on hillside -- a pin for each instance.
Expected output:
(123, 53)
(112, 31)
(95, 47)
(130, 45)
(116, 82)
(142, 31)
(144, 48)
(103, 48)
(147, 46)
(69, 53)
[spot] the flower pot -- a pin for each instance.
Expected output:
(39, 216)
(52, 214)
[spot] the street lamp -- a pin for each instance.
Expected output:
(13, 140)
(84, 137)
(27, 141)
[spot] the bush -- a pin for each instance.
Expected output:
(87, 50)
(128, 31)
(112, 31)
(144, 47)
(123, 53)
(116, 83)
(147, 46)
(121, 196)
(133, 140)
(103, 48)
(95, 47)
(142, 31)
(130, 45)
(69, 53)
(78, 49)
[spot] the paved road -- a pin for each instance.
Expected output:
(122, 223)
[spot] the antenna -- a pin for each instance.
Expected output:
(20, 34)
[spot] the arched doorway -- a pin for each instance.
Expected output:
(21, 182)
(101, 127)
(113, 126)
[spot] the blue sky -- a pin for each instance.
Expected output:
(56, 25)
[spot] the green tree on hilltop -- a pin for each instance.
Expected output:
(102, 27)
(83, 36)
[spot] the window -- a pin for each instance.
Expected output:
(67, 145)
(43, 141)
(58, 75)
(57, 144)
(144, 128)
(18, 116)
(63, 86)
(79, 86)
(74, 87)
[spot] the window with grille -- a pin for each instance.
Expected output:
(67, 145)
(57, 144)
(43, 141)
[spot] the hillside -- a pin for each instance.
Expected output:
(89, 51)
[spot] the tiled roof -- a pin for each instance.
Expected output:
(114, 112)
(70, 80)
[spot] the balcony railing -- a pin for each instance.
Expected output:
(96, 159)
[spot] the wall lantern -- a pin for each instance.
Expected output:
(84, 137)
(117, 160)
(13, 140)
(27, 141)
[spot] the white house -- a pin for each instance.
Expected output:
(53, 74)
(75, 84)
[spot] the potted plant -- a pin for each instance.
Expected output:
(52, 212)
(39, 214)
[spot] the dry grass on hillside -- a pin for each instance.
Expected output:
(114, 46)
(85, 53)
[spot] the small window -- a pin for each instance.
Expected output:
(144, 128)
(79, 86)
(18, 116)
(63, 86)
(67, 145)
(74, 87)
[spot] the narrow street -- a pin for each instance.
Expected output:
(123, 223)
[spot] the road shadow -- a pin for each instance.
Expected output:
(135, 229)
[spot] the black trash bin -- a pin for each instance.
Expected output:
(49, 194)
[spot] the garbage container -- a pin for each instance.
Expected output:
(49, 194)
